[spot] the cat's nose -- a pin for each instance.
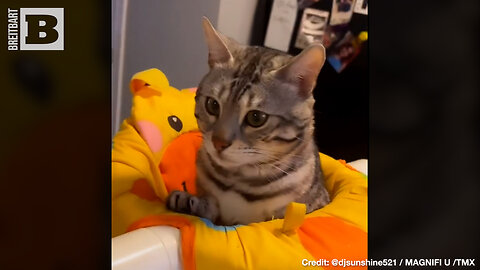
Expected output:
(220, 144)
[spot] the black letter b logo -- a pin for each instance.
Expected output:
(40, 29)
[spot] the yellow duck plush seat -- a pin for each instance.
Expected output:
(154, 153)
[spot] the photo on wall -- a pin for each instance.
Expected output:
(312, 27)
(341, 11)
(344, 52)
(361, 7)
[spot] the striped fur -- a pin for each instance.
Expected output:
(263, 168)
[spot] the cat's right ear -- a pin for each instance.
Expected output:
(303, 69)
(218, 53)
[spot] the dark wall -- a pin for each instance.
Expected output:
(341, 108)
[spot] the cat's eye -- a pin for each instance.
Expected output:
(256, 118)
(212, 106)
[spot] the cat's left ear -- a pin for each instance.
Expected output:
(218, 52)
(303, 70)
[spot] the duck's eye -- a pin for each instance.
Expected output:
(256, 118)
(212, 106)
(175, 123)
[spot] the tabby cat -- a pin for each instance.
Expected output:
(254, 109)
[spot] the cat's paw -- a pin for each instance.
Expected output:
(182, 202)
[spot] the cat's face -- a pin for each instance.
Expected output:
(255, 105)
(250, 123)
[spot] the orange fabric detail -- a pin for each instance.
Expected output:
(178, 166)
(331, 238)
(187, 230)
(348, 165)
(142, 189)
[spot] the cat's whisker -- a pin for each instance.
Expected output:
(280, 169)
(272, 154)
(259, 169)
(272, 151)
(267, 177)
(298, 138)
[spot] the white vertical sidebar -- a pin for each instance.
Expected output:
(119, 31)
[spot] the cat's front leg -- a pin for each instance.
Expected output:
(183, 202)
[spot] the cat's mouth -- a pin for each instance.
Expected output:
(223, 158)
(234, 160)
(233, 156)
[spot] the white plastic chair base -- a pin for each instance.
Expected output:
(147, 248)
